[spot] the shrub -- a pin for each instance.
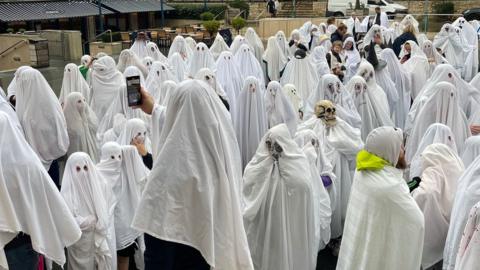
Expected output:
(242, 5)
(207, 16)
(116, 36)
(211, 26)
(10, 30)
(194, 11)
(443, 8)
(238, 23)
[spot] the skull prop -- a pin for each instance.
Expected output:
(326, 111)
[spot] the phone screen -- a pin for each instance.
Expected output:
(133, 91)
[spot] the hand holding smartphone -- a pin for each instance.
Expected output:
(133, 91)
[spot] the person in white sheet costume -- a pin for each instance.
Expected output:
(371, 113)
(230, 78)
(275, 60)
(214, 180)
(441, 170)
(201, 58)
(159, 73)
(154, 52)
(41, 116)
(436, 133)
(331, 88)
(471, 150)
(382, 217)
(277, 183)
(278, 108)
(85, 192)
(73, 81)
(30, 202)
(219, 45)
(81, 126)
(467, 257)
(127, 59)
(341, 143)
(139, 46)
(466, 197)
(417, 65)
(251, 121)
(249, 65)
(106, 82)
(300, 72)
(442, 108)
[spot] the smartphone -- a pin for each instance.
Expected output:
(133, 91)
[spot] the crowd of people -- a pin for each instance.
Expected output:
(358, 138)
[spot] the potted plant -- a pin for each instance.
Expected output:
(211, 26)
(238, 23)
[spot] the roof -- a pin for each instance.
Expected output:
(43, 10)
(128, 6)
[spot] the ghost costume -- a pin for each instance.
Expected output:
(251, 121)
(433, 56)
(331, 88)
(279, 109)
(127, 59)
(376, 92)
(371, 113)
(249, 65)
(112, 134)
(403, 84)
(450, 42)
(230, 78)
(139, 47)
(279, 215)
(201, 58)
(179, 65)
(237, 42)
(275, 60)
(353, 58)
(471, 150)
(127, 191)
(341, 143)
(219, 45)
(180, 46)
(147, 62)
(382, 217)
(469, 40)
(84, 192)
(291, 93)
(468, 96)
(214, 180)
(191, 43)
(155, 53)
(319, 60)
(301, 73)
(158, 74)
(319, 168)
(283, 43)
(135, 129)
(467, 257)
(12, 87)
(441, 169)
(41, 117)
(466, 197)
(30, 202)
(442, 108)
(81, 126)
(119, 104)
(208, 76)
(417, 66)
(106, 83)
(73, 81)
(255, 43)
(436, 133)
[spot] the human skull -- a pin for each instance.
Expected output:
(325, 110)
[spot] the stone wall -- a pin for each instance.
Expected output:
(417, 7)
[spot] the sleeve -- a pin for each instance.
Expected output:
(290, 44)
(301, 46)
(329, 60)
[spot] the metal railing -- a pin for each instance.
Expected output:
(95, 38)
